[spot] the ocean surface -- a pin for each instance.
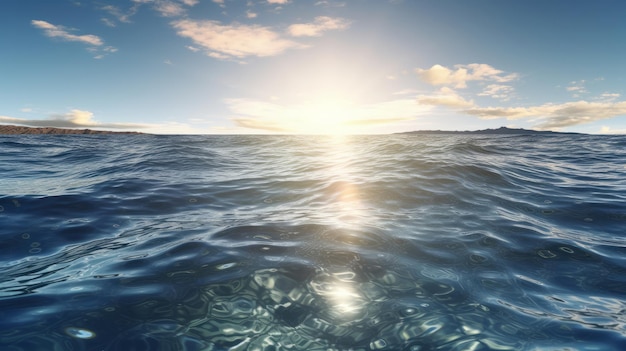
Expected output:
(393, 242)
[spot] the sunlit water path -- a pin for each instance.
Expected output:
(397, 242)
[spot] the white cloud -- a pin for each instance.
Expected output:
(319, 25)
(327, 3)
(548, 116)
(445, 97)
(96, 45)
(555, 116)
(237, 40)
(118, 14)
(497, 91)
(461, 74)
(406, 92)
(321, 116)
(279, 2)
(54, 31)
(166, 8)
(609, 96)
(577, 88)
(250, 14)
(169, 8)
(74, 119)
(108, 22)
(574, 87)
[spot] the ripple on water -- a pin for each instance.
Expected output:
(402, 242)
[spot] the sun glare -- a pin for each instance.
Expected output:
(326, 116)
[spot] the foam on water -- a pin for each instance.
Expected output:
(400, 242)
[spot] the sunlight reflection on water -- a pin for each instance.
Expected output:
(314, 243)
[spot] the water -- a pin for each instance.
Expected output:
(397, 242)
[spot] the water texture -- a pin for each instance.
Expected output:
(396, 242)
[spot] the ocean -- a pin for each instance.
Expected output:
(384, 242)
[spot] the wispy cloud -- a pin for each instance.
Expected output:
(95, 43)
(608, 96)
(461, 74)
(555, 116)
(169, 9)
(73, 119)
(220, 3)
(328, 3)
(577, 88)
(318, 26)
(445, 97)
(54, 31)
(234, 41)
(498, 91)
(279, 2)
(118, 15)
(320, 117)
(166, 8)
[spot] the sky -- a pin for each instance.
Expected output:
(313, 66)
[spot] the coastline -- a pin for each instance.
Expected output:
(20, 130)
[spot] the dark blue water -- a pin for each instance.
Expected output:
(397, 242)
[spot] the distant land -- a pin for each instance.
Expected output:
(501, 130)
(10, 129)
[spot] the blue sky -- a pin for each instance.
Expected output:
(300, 66)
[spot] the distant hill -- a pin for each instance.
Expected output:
(10, 129)
(501, 130)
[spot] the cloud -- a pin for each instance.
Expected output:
(73, 119)
(327, 3)
(461, 74)
(555, 116)
(279, 2)
(578, 86)
(101, 52)
(321, 117)
(237, 40)
(250, 14)
(169, 8)
(166, 8)
(497, 91)
(608, 96)
(548, 116)
(118, 14)
(267, 126)
(445, 97)
(319, 25)
(54, 31)
(108, 22)
(406, 92)
(96, 45)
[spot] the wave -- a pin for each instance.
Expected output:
(397, 242)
